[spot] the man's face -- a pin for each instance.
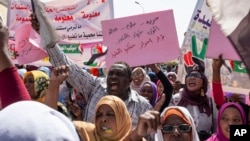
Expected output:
(118, 80)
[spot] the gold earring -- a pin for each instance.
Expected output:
(202, 92)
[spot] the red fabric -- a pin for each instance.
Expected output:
(12, 88)
(218, 93)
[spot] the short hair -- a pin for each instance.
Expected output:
(129, 70)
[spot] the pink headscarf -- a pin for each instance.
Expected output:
(219, 136)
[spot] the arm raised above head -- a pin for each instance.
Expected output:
(12, 87)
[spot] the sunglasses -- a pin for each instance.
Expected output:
(181, 128)
(195, 75)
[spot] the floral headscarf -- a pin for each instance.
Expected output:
(41, 82)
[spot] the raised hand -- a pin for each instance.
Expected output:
(148, 123)
(217, 63)
(59, 74)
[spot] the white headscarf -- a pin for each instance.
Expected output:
(34, 121)
(146, 78)
(185, 112)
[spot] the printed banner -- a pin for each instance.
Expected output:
(142, 39)
(76, 21)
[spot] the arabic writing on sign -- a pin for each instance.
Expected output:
(64, 18)
(130, 25)
(148, 34)
(71, 28)
(71, 48)
(206, 23)
(129, 47)
(22, 19)
(152, 21)
(20, 6)
(116, 52)
(58, 10)
(138, 33)
(123, 37)
(90, 15)
(69, 18)
(82, 35)
(151, 30)
(143, 44)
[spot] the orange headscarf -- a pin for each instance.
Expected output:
(123, 122)
(176, 112)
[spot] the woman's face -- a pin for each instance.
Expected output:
(147, 91)
(160, 88)
(172, 77)
(176, 86)
(30, 85)
(138, 77)
(194, 81)
(181, 131)
(230, 116)
(105, 121)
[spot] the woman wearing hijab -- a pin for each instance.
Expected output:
(201, 107)
(175, 117)
(139, 77)
(21, 72)
(174, 124)
(112, 121)
(149, 91)
(151, 88)
(229, 114)
(36, 83)
(34, 121)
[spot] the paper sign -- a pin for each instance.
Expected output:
(142, 39)
(27, 52)
(218, 44)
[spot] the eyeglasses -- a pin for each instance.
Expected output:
(138, 74)
(195, 75)
(170, 128)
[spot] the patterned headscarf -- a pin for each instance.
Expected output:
(41, 82)
(123, 121)
(184, 114)
(219, 136)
